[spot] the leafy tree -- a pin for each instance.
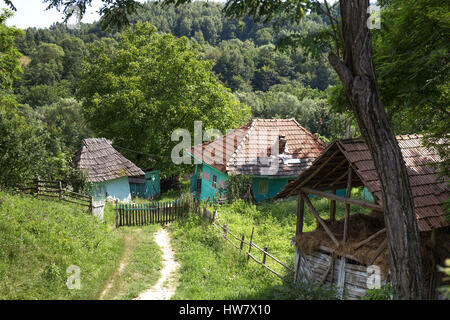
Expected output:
(414, 70)
(149, 86)
(9, 55)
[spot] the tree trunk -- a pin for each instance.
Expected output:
(358, 77)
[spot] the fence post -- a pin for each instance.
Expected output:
(264, 256)
(225, 231)
(117, 216)
(250, 245)
(37, 187)
(60, 190)
(242, 241)
(91, 205)
(214, 216)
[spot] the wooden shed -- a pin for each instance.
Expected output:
(352, 252)
(106, 168)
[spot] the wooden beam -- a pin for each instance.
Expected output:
(376, 234)
(300, 214)
(333, 208)
(355, 202)
(315, 171)
(333, 251)
(317, 216)
(348, 193)
(378, 252)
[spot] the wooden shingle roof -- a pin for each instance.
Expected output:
(102, 162)
(329, 171)
(246, 150)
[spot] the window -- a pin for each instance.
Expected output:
(214, 181)
(263, 187)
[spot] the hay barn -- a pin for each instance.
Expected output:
(352, 252)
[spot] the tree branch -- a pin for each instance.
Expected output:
(341, 69)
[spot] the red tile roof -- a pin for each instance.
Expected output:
(428, 190)
(251, 149)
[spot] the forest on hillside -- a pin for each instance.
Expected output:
(86, 81)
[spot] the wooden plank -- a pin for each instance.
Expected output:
(317, 216)
(343, 199)
(328, 250)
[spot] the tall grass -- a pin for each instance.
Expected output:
(40, 239)
(212, 269)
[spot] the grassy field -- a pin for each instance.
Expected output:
(40, 239)
(212, 269)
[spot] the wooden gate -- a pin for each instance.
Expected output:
(147, 213)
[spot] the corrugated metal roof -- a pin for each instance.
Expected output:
(102, 162)
(248, 149)
(429, 192)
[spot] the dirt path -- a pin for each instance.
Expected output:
(165, 288)
(129, 245)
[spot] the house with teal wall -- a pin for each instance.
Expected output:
(271, 151)
(108, 171)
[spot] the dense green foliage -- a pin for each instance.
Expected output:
(154, 81)
(41, 239)
(241, 54)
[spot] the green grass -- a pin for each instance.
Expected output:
(212, 269)
(143, 265)
(40, 239)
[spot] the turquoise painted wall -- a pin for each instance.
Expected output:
(274, 185)
(116, 189)
(207, 189)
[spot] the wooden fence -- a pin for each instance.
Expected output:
(239, 243)
(55, 190)
(147, 213)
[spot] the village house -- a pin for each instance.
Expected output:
(112, 175)
(270, 151)
(352, 252)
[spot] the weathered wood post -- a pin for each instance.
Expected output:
(264, 256)
(225, 231)
(333, 208)
(242, 241)
(91, 205)
(300, 214)
(214, 216)
(117, 215)
(250, 244)
(348, 193)
(36, 181)
(60, 190)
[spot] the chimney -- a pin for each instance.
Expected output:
(281, 144)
